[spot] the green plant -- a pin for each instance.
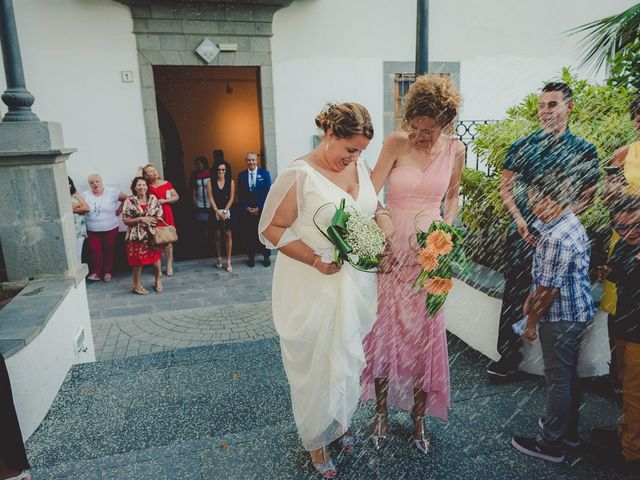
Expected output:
(608, 36)
(625, 67)
(600, 116)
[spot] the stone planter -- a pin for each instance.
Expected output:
(472, 314)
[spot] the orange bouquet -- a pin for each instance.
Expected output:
(440, 251)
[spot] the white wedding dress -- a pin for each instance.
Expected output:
(321, 319)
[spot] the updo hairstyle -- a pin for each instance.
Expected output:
(346, 120)
(434, 96)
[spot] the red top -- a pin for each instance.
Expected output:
(161, 192)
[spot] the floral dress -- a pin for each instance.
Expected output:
(139, 238)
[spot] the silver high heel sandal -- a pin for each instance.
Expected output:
(347, 442)
(425, 439)
(377, 438)
(327, 469)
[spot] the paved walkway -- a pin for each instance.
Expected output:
(201, 305)
(224, 412)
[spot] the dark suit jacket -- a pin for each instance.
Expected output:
(256, 197)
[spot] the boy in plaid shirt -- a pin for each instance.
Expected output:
(560, 304)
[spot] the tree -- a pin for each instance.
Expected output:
(608, 36)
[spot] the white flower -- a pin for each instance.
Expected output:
(364, 236)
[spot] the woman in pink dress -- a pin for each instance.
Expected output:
(166, 195)
(406, 352)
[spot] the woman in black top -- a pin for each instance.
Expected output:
(221, 192)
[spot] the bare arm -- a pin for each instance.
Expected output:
(536, 306)
(81, 207)
(452, 198)
(506, 194)
(387, 159)
(173, 197)
(284, 217)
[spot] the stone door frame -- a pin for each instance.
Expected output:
(167, 34)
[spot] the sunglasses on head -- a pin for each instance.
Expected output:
(629, 227)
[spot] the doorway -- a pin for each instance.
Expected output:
(202, 109)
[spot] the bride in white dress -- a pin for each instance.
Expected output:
(322, 311)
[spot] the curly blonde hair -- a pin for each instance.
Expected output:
(434, 96)
(346, 120)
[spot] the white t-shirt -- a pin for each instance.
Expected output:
(102, 216)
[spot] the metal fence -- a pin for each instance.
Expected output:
(467, 131)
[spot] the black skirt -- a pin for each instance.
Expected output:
(11, 445)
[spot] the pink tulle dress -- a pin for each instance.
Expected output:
(407, 345)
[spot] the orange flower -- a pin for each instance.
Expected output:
(428, 259)
(440, 242)
(438, 285)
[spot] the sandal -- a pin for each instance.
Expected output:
(377, 438)
(107, 277)
(422, 444)
(219, 263)
(94, 277)
(158, 287)
(229, 267)
(169, 271)
(327, 469)
(140, 290)
(347, 442)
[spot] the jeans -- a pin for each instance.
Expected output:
(561, 342)
(517, 275)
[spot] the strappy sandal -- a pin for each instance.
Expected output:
(140, 290)
(219, 263)
(229, 267)
(158, 287)
(347, 442)
(377, 438)
(422, 444)
(327, 469)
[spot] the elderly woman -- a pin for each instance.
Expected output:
(407, 359)
(322, 310)
(80, 208)
(166, 195)
(140, 214)
(105, 204)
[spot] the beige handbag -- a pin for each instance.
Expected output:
(165, 234)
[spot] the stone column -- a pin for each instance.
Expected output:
(36, 224)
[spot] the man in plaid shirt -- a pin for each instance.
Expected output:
(560, 302)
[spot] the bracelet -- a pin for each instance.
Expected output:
(382, 212)
(316, 261)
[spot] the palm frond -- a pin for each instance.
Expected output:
(607, 36)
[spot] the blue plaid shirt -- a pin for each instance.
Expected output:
(561, 261)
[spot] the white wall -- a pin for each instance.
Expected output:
(38, 370)
(73, 52)
(334, 49)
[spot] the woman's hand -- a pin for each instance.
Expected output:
(326, 268)
(383, 220)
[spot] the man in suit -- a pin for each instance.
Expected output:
(253, 187)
